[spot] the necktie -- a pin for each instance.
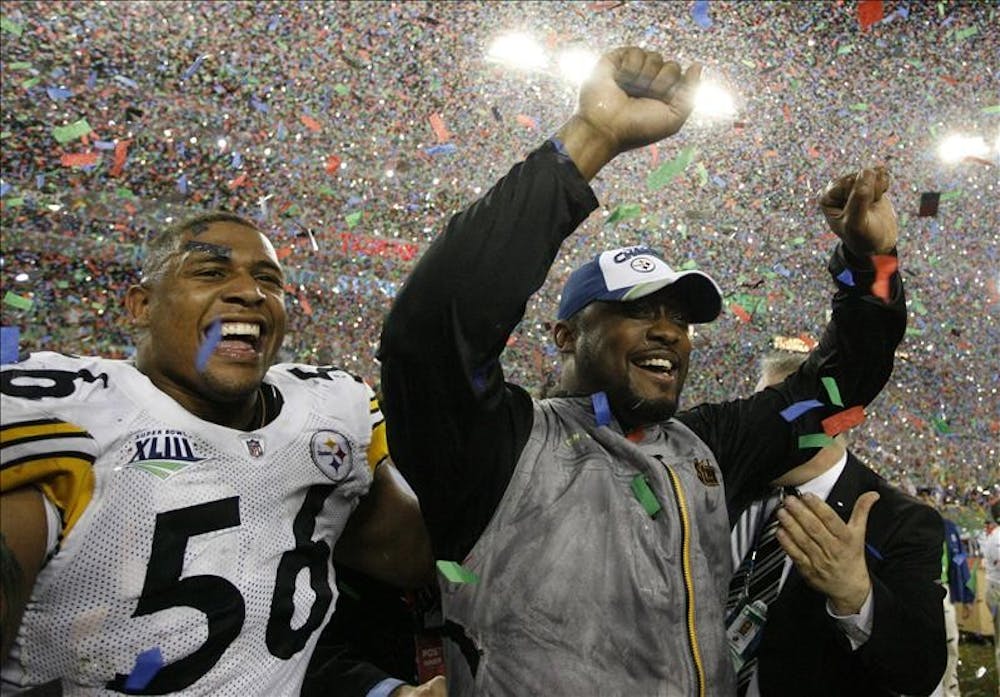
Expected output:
(763, 565)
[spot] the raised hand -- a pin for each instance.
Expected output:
(828, 553)
(631, 99)
(859, 212)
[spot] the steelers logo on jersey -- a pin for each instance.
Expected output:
(332, 454)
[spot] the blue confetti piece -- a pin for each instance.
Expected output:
(699, 12)
(874, 552)
(781, 269)
(446, 148)
(128, 82)
(58, 93)
(796, 410)
(719, 182)
(4, 188)
(275, 21)
(282, 131)
(39, 181)
(846, 277)
(259, 105)
(10, 338)
(212, 339)
(602, 411)
(147, 665)
(903, 11)
(194, 67)
(104, 145)
(182, 184)
(91, 80)
(237, 161)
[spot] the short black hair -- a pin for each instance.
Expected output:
(167, 242)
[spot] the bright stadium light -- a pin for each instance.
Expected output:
(713, 101)
(517, 51)
(957, 147)
(576, 64)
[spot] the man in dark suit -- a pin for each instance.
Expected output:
(858, 611)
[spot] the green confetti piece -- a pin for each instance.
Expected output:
(15, 300)
(30, 82)
(859, 106)
(5, 134)
(16, 202)
(20, 65)
(353, 218)
(62, 284)
(949, 195)
(994, 109)
(815, 440)
(11, 27)
(833, 391)
(342, 89)
(625, 211)
(668, 170)
(846, 48)
(702, 174)
(918, 307)
(689, 264)
(913, 331)
(799, 240)
(915, 62)
(123, 192)
(77, 129)
(326, 191)
(941, 9)
(966, 33)
(941, 426)
(645, 495)
(455, 572)
(748, 63)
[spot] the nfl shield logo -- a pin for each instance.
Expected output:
(254, 447)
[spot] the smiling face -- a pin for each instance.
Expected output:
(223, 288)
(637, 352)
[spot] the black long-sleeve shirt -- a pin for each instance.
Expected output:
(456, 428)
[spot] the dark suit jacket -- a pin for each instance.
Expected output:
(804, 654)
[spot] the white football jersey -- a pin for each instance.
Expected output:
(200, 548)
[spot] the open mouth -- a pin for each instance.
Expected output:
(240, 337)
(661, 367)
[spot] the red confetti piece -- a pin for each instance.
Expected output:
(311, 123)
(283, 252)
(332, 164)
(121, 154)
(841, 421)
(654, 155)
(79, 159)
(885, 267)
(808, 341)
(869, 12)
(306, 307)
(440, 130)
(526, 121)
(740, 312)
(241, 180)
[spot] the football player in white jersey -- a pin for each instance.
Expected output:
(168, 524)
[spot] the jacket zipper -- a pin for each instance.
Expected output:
(682, 509)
